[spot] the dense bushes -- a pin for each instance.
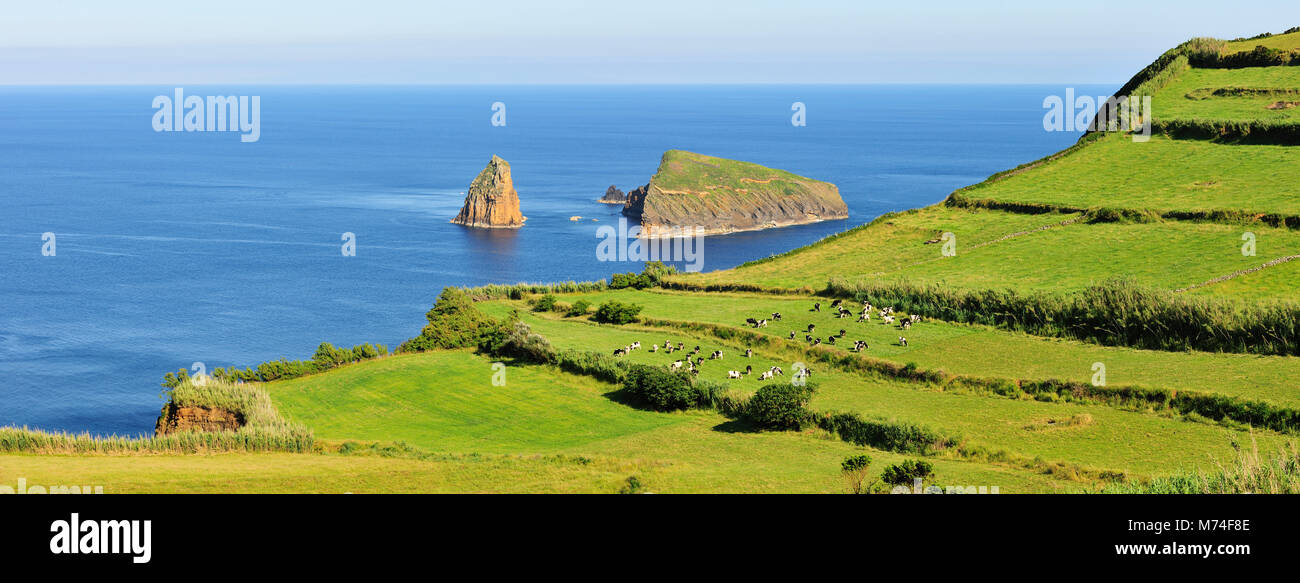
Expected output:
(454, 322)
(616, 312)
(886, 435)
(327, 356)
(517, 341)
(660, 388)
(1260, 56)
(780, 406)
(546, 303)
(906, 472)
(593, 364)
(1117, 312)
(1242, 131)
(651, 276)
(579, 308)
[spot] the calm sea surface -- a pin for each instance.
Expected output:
(176, 248)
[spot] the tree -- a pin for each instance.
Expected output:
(780, 406)
(616, 312)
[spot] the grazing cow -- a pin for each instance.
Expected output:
(749, 352)
(907, 324)
(811, 327)
(751, 322)
(817, 341)
(619, 352)
(749, 368)
(902, 341)
(636, 345)
(817, 307)
(677, 365)
(765, 376)
(733, 374)
(715, 354)
(843, 332)
(836, 303)
(830, 340)
(792, 334)
(776, 370)
(807, 338)
(776, 315)
(654, 348)
(761, 324)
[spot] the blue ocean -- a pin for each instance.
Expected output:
(173, 248)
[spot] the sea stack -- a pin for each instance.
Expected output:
(492, 202)
(717, 196)
(613, 196)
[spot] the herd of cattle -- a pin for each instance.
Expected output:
(693, 361)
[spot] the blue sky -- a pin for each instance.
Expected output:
(571, 41)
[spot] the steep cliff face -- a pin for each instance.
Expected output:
(613, 196)
(176, 418)
(725, 196)
(492, 201)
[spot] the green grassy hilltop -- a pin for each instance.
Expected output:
(1120, 316)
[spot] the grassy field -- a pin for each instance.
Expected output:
(317, 473)
(885, 246)
(1152, 443)
(445, 402)
(1192, 94)
(1162, 174)
(964, 349)
(1290, 41)
(1169, 254)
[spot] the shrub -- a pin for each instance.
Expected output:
(854, 470)
(633, 485)
(579, 308)
(520, 342)
(593, 364)
(616, 312)
(651, 276)
(780, 406)
(662, 389)
(454, 322)
(906, 472)
(545, 303)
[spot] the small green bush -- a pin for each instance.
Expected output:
(662, 389)
(545, 303)
(616, 312)
(780, 406)
(907, 471)
(579, 308)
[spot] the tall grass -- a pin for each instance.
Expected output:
(263, 430)
(519, 290)
(1250, 473)
(1117, 312)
